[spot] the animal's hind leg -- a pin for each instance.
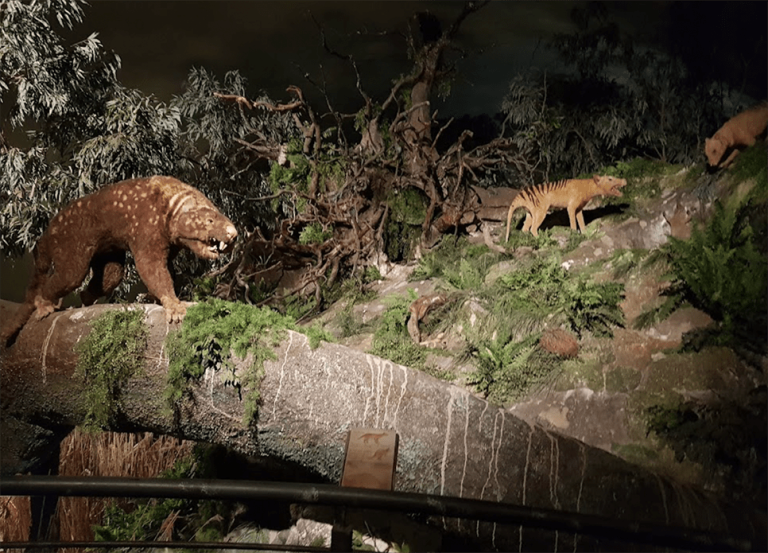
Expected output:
(108, 271)
(537, 220)
(68, 272)
(528, 221)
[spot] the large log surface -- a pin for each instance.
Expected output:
(451, 442)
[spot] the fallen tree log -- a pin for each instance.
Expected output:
(451, 442)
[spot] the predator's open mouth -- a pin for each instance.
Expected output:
(217, 247)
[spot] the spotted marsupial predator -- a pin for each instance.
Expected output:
(152, 217)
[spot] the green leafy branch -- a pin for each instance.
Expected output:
(210, 332)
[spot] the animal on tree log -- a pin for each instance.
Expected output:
(153, 217)
(572, 194)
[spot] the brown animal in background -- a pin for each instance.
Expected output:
(572, 194)
(152, 217)
(739, 131)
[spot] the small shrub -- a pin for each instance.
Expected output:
(147, 520)
(520, 239)
(314, 234)
(461, 264)
(316, 334)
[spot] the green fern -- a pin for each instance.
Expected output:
(507, 369)
(721, 270)
(624, 261)
(544, 289)
(650, 317)
(592, 306)
(461, 264)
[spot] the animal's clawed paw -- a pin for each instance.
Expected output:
(42, 312)
(174, 311)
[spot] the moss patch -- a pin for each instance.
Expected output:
(107, 357)
(622, 379)
(753, 164)
(407, 210)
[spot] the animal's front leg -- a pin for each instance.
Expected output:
(572, 215)
(730, 158)
(152, 267)
(580, 219)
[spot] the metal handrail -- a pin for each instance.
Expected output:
(359, 498)
(56, 545)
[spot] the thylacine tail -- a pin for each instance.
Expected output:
(517, 203)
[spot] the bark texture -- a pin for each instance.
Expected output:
(451, 442)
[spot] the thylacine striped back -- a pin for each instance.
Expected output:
(572, 194)
(534, 193)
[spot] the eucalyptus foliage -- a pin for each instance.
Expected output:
(72, 128)
(213, 160)
(618, 102)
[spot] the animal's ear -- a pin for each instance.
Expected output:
(596, 178)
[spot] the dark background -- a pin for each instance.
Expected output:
(274, 44)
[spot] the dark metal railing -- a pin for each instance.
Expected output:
(55, 545)
(359, 498)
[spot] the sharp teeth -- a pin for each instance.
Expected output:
(222, 245)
